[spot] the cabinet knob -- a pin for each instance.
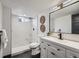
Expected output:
(52, 53)
(48, 45)
(58, 49)
(74, 56)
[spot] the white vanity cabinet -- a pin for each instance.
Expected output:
(43, 49)
(43, 53)
(51, 54)
(72, 54)
(56, 49)
(49, 50)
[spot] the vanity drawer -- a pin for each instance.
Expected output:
(59, 51)
(71, 54)
(51, 54)
(43, 49)
(43, 52)
(43, 43)
(56, 47)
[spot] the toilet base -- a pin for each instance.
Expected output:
(36, 56)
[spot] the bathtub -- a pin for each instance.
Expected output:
(19, 50)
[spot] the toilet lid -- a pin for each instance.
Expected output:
(34, 45)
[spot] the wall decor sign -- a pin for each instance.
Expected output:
(42, 28)
(42, 19)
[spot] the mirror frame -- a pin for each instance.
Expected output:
(58, 10)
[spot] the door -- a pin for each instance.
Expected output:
(75, 24)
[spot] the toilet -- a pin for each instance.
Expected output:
(35, 49)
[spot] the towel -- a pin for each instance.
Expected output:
(4, 38)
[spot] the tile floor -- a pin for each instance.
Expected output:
(23, 55)
(26, 55)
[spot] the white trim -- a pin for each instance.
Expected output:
(21, 49)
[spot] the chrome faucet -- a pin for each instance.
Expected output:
(60, 34)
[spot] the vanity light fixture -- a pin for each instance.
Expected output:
(63, 2)
(60, 4)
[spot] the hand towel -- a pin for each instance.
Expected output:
(4, 38)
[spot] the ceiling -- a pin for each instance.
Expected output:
(28, 7)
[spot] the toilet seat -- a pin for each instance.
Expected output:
(34, 45)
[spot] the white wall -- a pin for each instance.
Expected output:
(0, 15)
(0, 26)
(21, 33)
(63, 23)
(6, 24)
(35, 31)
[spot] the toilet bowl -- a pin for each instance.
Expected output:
(35, 48)
(34, 45)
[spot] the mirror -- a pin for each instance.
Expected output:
(65, 20)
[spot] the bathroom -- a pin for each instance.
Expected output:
(39, 28)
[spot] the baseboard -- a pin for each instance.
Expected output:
(19, 52)
(20, 49)
(7, 56)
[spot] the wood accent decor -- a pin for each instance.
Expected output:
(42, 19)
(42, 28)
